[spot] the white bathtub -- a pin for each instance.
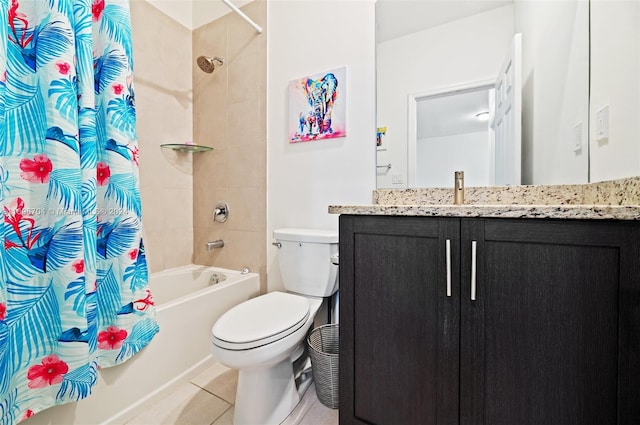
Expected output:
(187, 307)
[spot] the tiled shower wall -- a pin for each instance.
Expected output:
(230, 116)
(163, 88)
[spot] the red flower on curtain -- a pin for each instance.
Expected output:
(63, 67)
(96, 9)
(117, 89)
(36, 170)
(29, 413)
(49, 372)
(135, 155)
(19, 24)
(78, 266)
(133, 253)
(112, 338)
(144, 303)
(13, 215)
(3, 311)
(103, 173)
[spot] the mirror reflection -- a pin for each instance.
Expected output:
(430, 51)
(459, 119)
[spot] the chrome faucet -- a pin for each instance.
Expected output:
(458, 188)
(215, 244)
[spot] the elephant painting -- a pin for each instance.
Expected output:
(318, 99)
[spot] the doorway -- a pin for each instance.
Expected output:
(451, 132)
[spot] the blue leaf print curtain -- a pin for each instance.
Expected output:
(73, 277)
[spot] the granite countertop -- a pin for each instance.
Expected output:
(610, 200)
(590, 212)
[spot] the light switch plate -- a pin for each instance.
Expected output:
(602, 125)
(577, 138)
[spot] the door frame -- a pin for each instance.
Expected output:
(412, 121)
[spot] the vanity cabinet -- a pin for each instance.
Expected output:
(551, 337)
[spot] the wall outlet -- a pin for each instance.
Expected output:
(396, 179)
(602, 125)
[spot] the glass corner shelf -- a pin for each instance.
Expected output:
(186, 147)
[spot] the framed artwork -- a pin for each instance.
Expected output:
(317, 106)
(380, 133)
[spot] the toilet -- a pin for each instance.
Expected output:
(264, 337)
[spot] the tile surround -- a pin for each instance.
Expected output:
(163, 63)
(230, 116)
(225, 110)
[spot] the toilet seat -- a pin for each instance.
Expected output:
(260, 321)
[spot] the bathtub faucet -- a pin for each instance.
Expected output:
(215, 244)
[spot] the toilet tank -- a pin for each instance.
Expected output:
(305, 261)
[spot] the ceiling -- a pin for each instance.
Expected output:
(195, 13)
(396, 18)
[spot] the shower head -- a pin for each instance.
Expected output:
(208, 64)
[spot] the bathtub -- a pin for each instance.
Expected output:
(187, 307)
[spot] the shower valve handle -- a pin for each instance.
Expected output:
(221, 213)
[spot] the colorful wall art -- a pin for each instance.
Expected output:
(317, 106)
(380, 133)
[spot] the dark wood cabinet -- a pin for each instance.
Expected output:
(552, 336)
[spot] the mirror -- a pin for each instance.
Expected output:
(460, 119)
(614, 98)
(430, 49)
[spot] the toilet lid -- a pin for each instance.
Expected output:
(260, 320)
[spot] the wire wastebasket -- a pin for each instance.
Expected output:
(323, 349)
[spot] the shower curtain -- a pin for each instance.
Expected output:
(74, 293)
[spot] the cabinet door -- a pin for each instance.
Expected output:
(399, 331)
(550, 334)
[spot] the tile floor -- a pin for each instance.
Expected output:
(208, 400)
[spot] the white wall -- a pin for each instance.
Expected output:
(303, 179)
(440, 157)
(555, 81)
(615, 81)
(463, 51)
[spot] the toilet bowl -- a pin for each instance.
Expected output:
(266, 391)
(264, 336)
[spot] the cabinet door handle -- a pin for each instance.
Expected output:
(474, 248)
(448, 245)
